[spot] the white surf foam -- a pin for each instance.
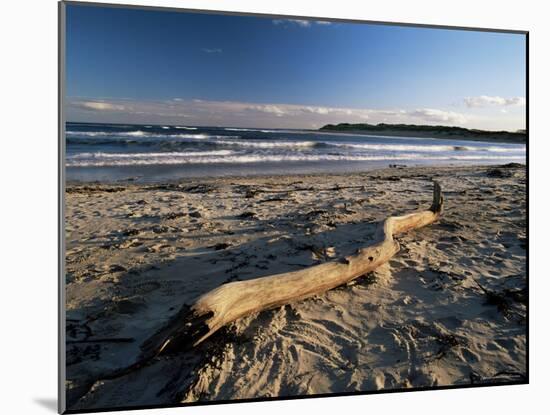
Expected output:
(267, 144)
(214, 157)
(137, 133)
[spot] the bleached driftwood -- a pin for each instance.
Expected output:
(231, 301)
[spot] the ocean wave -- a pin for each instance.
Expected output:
(401, 147)
(423, 148)
(134, 137)
(269, 144)
(255, 129)
(103, 155)
(239, 129)
(183, 158)
(502, 149)
(185, 128)
(137, 133)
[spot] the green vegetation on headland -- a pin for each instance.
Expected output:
(431, 131)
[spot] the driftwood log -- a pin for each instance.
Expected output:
(225, 304)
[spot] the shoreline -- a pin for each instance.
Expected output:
(133, 179)
(136, 252)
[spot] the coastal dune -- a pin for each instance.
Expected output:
(448, 309)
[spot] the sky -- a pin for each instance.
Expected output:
(179, 68)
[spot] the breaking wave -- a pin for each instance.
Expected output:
(229, 157)
(96, 145)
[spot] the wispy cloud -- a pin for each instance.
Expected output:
(439, 116)
(214, 50)
(426, 115)
(299, 22)
(491, 101)
(246, 114)
(98, 106)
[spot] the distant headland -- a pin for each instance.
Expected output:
(431, 131)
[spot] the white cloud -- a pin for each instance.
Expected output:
(318, 110)
(295, 110)
(489, 101)
(299, 22)
(98, 106)
(270, 109)
(214, 50)
(434, 115)
(246, 114)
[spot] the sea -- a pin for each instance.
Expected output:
(153, 153)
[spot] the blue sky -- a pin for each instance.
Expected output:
(128, 65)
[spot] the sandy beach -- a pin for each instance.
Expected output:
(448, 309)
